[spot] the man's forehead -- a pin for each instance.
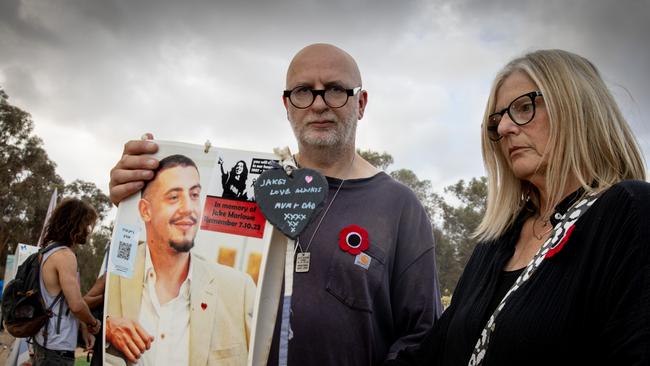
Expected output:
(181, 176)
(323, 63)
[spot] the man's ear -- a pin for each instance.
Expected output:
(144, 207)
(285, 101)
(363, 101)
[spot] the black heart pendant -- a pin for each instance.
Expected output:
(289, 202)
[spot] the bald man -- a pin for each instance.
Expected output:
(371, 288)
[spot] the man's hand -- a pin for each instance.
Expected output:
(89, 339)
(127, 336)
(133, 169)
(94, 327)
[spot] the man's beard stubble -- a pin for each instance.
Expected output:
(338, 137)
(182, 246)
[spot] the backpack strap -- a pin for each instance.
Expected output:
(47, 248)
(58, 297)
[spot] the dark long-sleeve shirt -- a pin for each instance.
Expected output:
(345, 314)
(589, 304)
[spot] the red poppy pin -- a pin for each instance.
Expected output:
(557, 248)
(354, 239)
(204, 305)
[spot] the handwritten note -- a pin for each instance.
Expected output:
(289, 202)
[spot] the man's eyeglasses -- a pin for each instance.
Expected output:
(521, 111)
(334, 96)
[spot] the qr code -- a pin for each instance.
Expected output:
(123, 250)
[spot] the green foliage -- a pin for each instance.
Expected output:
(461, 220)
(88, 191)
(27, 179)
(447, 263)
(380, 160)
(90, 256)
(421, 188)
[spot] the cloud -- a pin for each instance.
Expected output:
(191, 71)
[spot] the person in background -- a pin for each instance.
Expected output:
(71, 224)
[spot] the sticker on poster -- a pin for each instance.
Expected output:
(232, 217)
(122, 253)
(259, 166)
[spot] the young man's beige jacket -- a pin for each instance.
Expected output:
(219, 330)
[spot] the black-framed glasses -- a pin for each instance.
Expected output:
(521, 111)
(334, 96)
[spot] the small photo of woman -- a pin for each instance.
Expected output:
(234, 181)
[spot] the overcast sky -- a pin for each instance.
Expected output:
(95, 74)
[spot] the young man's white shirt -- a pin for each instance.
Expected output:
(168, 323)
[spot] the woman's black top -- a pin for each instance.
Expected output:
(589, 304)
(505, 280)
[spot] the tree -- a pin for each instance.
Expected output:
(27, 178)
(460, 222)
(380, 160)
(88, 192)
(446, 262)
(421, 188)
(90, 256)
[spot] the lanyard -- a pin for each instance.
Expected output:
(285, 325)
(558, 237)
(303, 266)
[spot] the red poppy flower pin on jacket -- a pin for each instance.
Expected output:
(354, 239)
(554, 249)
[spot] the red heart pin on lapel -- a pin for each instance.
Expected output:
(204, 305)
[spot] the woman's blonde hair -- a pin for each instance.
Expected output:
(589, 139)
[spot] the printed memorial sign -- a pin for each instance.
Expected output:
(200, 201)
(227, 224)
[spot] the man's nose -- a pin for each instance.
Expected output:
(319, 103)
(184, 203)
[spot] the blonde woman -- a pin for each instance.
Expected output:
(561, 273)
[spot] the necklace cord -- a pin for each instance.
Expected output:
(298, 246)
(544, 223)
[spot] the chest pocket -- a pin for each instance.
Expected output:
(228, 355)
(352, 284)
